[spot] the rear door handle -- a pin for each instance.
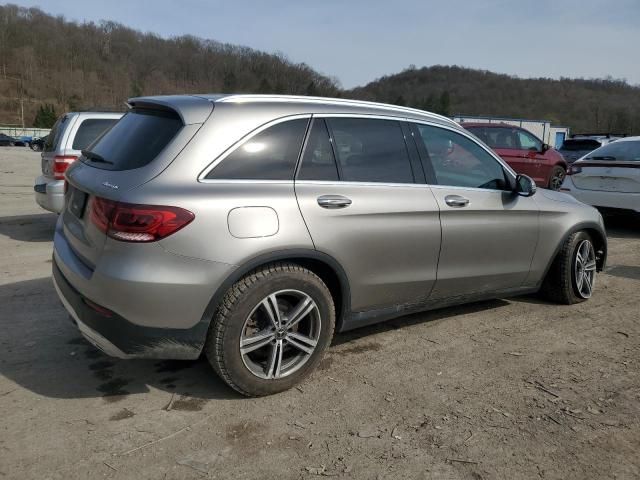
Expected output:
(333, 201)
(456, 201)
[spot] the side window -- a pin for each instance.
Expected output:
(370, 150)
(54, 135)
(481, 133)
(502, 137)
(528, 141)
(460, 162)
(270, 155)
(91, 129)
(318, 161)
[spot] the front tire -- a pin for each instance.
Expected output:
(572, 275)
(271, 329)
(557, 177)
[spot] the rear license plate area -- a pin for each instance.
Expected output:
(77, 201)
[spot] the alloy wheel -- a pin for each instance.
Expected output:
(557, 179)
(280, 334)
(585, 268)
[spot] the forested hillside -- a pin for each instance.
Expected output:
(49, 60)
(50, 65)
(583, 105)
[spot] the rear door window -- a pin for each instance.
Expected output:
(89, 130)
(135, 140)
(269, 155)
(318, 161)
(370, 150)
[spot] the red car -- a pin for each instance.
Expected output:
(523, 151)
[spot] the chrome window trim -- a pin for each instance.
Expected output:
(359, 184)
(242, 181)
(473, 189)
(374, 116)
(233, 147)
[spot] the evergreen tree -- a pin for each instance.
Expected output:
(445, 104)
(45, 117)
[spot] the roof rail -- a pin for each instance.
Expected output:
(326, 100)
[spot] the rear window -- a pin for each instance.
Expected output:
(89, 130)
(621, 151)
(577, 145)
(54, 135)
(135, 140)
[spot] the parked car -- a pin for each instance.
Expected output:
(608, 177)
(523, 151)
(37, 144)
(71, 133)
(579, 145)
(253, 230)
(8, 141)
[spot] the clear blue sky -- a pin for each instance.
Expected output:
(360, 40)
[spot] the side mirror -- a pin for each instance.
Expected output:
(525, 186)
(545, 147)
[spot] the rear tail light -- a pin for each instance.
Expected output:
(574, 169)
(137, 223)
(60, 165)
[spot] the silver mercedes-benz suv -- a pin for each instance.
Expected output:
(252, 227)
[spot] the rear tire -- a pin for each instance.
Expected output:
(571, 277)
(557, 177)
(252, 344)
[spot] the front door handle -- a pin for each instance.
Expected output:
(456, 201)
(333, 201)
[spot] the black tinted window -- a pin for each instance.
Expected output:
(318, 161)
(460, 162)
(89, 130)
(269, 155)
(135, 140)
(621, 151)
(54, 135)
(371, 150)
(580, 145)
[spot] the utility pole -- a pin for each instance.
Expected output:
(22, 111)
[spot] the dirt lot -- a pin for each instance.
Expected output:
(504, 389)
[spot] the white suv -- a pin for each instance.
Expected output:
(72, 133)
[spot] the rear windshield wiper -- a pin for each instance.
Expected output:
(602, 157)
(94, 157)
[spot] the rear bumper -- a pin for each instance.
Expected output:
(118, 337)
(49, 194)
(599, 198)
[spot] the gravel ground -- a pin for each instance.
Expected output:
(509, 389)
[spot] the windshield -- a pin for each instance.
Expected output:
(576, 145)
(135, 141)
(621, 151)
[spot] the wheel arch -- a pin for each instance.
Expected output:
(599, 242)
(322, 264)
